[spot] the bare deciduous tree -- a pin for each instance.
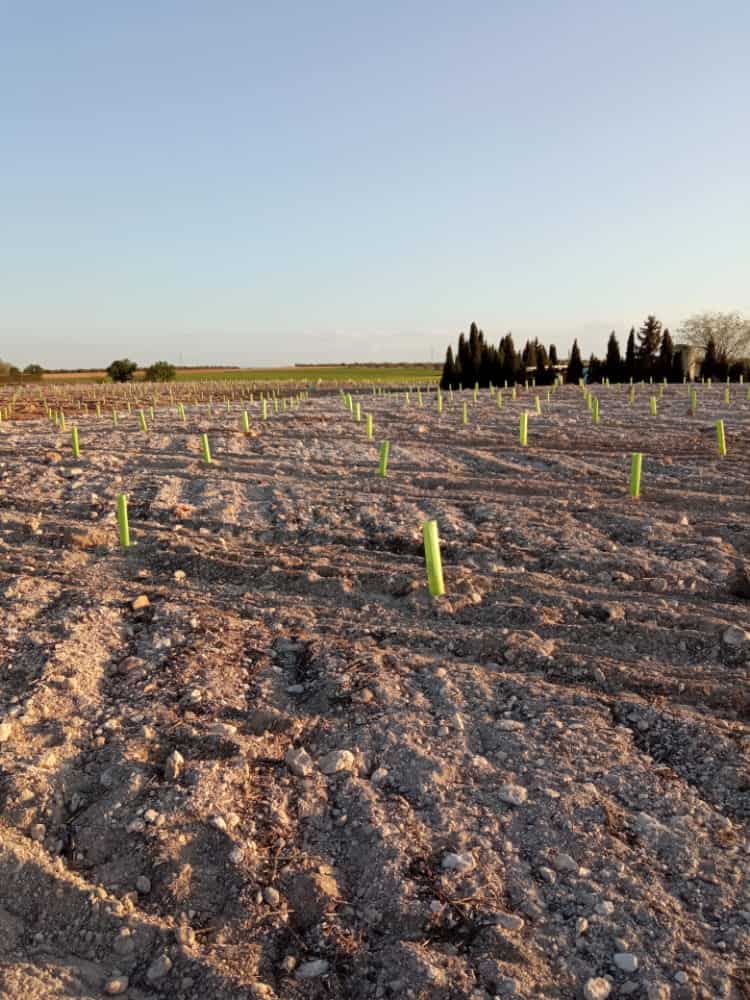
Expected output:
(730, 333)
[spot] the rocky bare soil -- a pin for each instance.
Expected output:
(250, 757)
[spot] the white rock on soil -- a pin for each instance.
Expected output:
(509, 921)
(337, 760)
(272, 896)
(735, 636)
(597, 989)
(514, 795)
(159, 968)
(311, 970)
(626, 961)
(299, 761)
(5, 731)
(116, 986)
(458, 862)
(173, 766)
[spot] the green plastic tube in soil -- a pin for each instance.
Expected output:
(499, 399)
(476, 391)
(523, 429)
(464, 413)
(368, 425)
(435, 583)
(358, 412)
(636, 467)
(114, 418)
(122, 520)
(98, 409)
(264, 404)
(721, 438)
(513, 393)
(151, 411)
(75, 443)
(142, 420)
(275, 404)
(206, 449)
(439, 401)
(653, 406)
(246, 422)
(419, 398)
(595, 411)
(727, 396)
(537, 404)
(385, 448)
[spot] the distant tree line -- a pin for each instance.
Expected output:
(476, 361)
(650, 352)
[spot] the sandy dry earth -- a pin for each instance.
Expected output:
(294, 775)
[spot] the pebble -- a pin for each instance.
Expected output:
(458, 862)
(337, 760)
(159, 968)
(179, 575)
(514, 795)
(658, 991)
(605, 908)
(38, 832)
(173, 766)
(143, 884)
(115, 986)
(311, 970)
(509, 921)
(564, 863)
(140, 602)
(5, 731)
(222, 729)
(735, 636)
(626, 961)
(185, 936)
(299, 761)
(272, 896)
(597, 989)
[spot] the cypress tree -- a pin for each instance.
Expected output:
(666, 356)
(553, 354)
(649, 338)
(575, 366)
(678, 368)
(449, 371)
(630, 361)
(613, 364)
(528, 356)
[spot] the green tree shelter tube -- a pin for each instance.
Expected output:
(720, 438)
(523, 429)
(636, 465)
(122, 520)
(385, 449)
(435, 581)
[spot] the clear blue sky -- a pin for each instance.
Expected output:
(244, 183)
